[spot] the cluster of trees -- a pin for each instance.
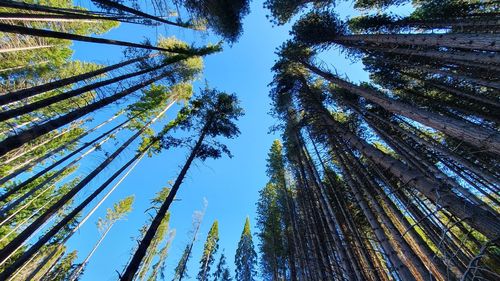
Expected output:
(56, 112)
(396, 179)
(245, 258)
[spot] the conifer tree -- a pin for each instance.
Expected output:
(246, 257)
(221, 272)
(209, 250)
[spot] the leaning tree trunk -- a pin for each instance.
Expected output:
(382, 238)
(485, 222)
(16, 29)
(475, 135)
(77, 271)
(26, 93)
(8, 50)
(487, 60)
(480, 42)
(42, 158)
(136, 260)
(105, 135)
(23, 236)
(124, 8)
(12, 113)
(16, 141)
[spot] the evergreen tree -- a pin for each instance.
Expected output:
(246, 257)
(221, 272)
(209, 250)
(181, 268)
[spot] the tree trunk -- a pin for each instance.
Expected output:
(6, 115)
(23, 236)
(134, 264)
(485, 59)
(7, 50)
(26, 93)
(486, 223)
(480, 42)
(16, 141)
(382, 238)
(77, 271)
(475, 135)
(121, 7)
(68, 36)
(42, 158)
(106, 135)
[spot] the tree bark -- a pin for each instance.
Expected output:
(26, 93)
(475, 135)
(480, 42)
(12, 113)
(23, 236)
(136, 260)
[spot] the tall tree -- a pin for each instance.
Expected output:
(246, 257)
(221, 272)
(119, 211)
(209, 250)
(213, 116)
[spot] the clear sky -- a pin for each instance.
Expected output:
(230, 185)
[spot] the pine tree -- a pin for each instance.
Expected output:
(246, 257)
(221, 272)
(209, 250)
(213, 116)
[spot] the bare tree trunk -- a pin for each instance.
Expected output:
(475, 135)
(26, 93)
(16, 141)
(23, 236)
(8, 50)
(12, 113)
(480, 42)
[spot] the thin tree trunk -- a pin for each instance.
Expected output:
(485, 59)
(18, 49)
(13, 142)
(26, 93)
(480, 42)
(485, 222)
(40, 159)
(475, 135)
(78, 271)
(16, 29)
(136, 260)
(121, 7)
(106, 135)
(6, 115)
(14, 244)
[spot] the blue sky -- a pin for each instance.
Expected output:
(230, 185)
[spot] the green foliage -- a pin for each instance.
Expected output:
(246, 257)
(283, 10)
(376, 4)
(222, 271)
(271, 236)
(317, 28)
(224, 17)
(118, 212)
(448, 9)
(209, 250)
(370, 23)
(213, 114)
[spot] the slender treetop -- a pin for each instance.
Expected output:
(246, 257)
